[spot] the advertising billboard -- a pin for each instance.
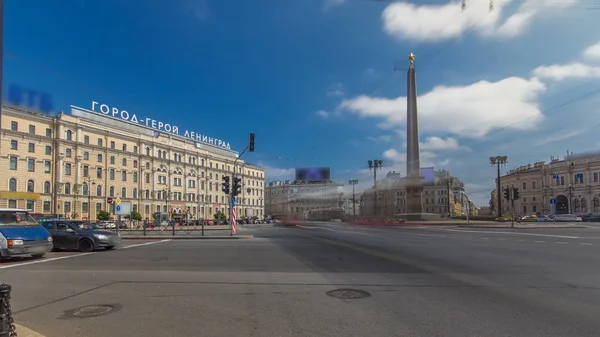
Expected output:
(428, 174)
(313, 174)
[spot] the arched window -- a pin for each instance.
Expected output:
(577, 205)
(584, 207)
(99, 190)
(84, 189)
(123, 192)
(69, 135)
(111, 192)
(12, 185)
(134, 193)
(30, 186)
(147, 151)
(147, 194)
(67, 188)
(47, 187)
(596, 204)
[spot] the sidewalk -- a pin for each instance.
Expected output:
(26, 332)
(186, 237)
(472, 224)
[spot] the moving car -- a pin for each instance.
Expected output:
(80, 235)
(21, 235)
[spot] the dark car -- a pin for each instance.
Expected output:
(80, 235)
(591, 217)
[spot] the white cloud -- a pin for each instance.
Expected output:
(274, 172)
(592, 52)
(432, 23)
(323, 114)
(332, 3)
(561, 136)
(437, 143)
(382, 138)
(336, 90)
(470, 111)
(560, 72)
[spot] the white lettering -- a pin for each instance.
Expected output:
(220, 142)
(211, 141)
(154, 123)
(167, 127)
(228, 146)
(186, 133)
(94, 105)
(104, 107)
(176, 130)
(160, 125)
(125, 114)
(204, 139)
(134, 118)
(192, 133)
(115, 111)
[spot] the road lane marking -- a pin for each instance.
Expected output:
(501, 239)
(561, 243)
(515, 233)
(485, 238)
(144, 244)
(71, 256)
(585, 244)
(540, 241)
(45, 260)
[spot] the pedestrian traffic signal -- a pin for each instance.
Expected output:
(225, 184)
(515, 194)
(237, 186)
(506, 194)
(251, 145)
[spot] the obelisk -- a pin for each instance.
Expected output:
(414, 181)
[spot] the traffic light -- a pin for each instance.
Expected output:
(515, 194)
(251, 145)
(506, 194)
(225, 184)
(237, 186)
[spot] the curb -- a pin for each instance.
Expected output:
(187, 237)
(26, 332)
(521, 227)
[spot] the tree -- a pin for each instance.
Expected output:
(220, 216)
(103, 216)
(136, 216)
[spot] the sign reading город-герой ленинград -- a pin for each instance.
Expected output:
(157, 125)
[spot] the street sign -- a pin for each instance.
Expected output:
(118, 201)
(124, 208)
(552, 201)
(109, 200)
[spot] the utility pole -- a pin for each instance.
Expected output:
(375, 165)
(353, 183)
(497, 161)
(236, 184)
(2, 59)
(450, 182)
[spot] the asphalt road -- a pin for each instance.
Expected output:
(418, 282)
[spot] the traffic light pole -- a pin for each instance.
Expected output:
(232, 191)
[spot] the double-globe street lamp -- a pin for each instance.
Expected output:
(497, 161)
(353, 183)
(375, 165)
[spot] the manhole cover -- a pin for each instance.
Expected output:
(348, 294)
(91, 311)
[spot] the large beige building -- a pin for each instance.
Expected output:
(573, 182)
(445, 195)
(63, 165)
(292, 199)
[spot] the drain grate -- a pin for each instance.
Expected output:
(348, 294)
(91, 311)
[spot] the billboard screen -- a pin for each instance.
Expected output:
(428, 174)
(313, 174)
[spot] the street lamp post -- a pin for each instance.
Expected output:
(497, 161)
(375, 165)
(353, 183)
(89, 183)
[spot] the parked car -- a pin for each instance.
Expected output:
(21, 235)
(80, 235)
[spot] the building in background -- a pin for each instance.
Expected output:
(442, 194)
(573, 182)
(351, 206)
(69, 165)
(308, 196)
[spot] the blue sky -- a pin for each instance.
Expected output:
(315, 79)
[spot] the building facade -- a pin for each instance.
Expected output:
(574, 183)
(444, 196)
(69, 165)
(293, 200)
